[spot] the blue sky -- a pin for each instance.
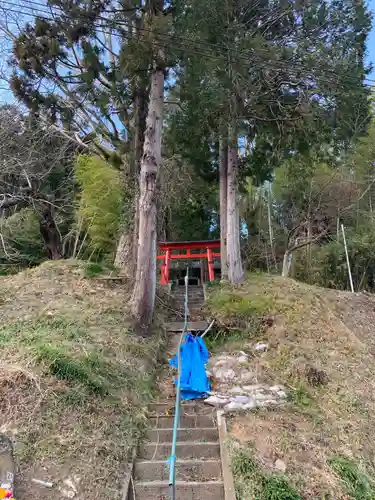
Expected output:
(371, 41)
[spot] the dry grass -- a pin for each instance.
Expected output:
(74, 381)
(321, 346)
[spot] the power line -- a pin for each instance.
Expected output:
(166, 37)
(191, 51)
(123, 23)
(196, 42)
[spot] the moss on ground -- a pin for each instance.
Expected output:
(253, 483)
(321, 347)
(357, 483)
(74, 380)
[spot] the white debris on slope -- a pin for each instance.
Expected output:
(236, 387)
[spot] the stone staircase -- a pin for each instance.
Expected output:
(195, 303)
(202, 470)
(195, 298)
(198, 466)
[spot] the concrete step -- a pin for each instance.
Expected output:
(191, 303)
(161, 422)
(160, 490)
(193, 326)
(180, 306)
(186, 470)
(162, 451)
(195, 296)
(210, 435)
(186, 409)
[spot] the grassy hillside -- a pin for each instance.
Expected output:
(74, 381)
(322, 348)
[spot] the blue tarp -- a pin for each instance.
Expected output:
(194, 356)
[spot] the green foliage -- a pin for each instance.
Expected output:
(189, 197)
(93, 269)
(242, 315)
(327, 266)
(358, 485)
(22, 241)
(278, 488)
(302, 398)
(230, 303)
(87, 370)
(99, 203)
(215, 340)
(254, 484)
(56, 344)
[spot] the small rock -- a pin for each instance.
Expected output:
(252, 388)
(280, 465)
(266, 403)
(236, 390)
(68, 482)
(224, 373)
(221, 362)
(251, 404)
(246, 376)
(67, 493)
(222, 358)
(276, 388)
(240, 399)
(260, 396)
(216, 401)
(282, 394)
(243, 359)
(232, 406)
(260, 346)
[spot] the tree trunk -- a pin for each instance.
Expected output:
(140, 127)
(50, 235)
(143, 298)
(270, 230)
(287, 263)
(122, 259)
(235, 269)
(223, 207)
(126, 254)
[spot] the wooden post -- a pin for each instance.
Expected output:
(211, 273)
(202, 271)
(347, 259)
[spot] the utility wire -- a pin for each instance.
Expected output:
(194, 52)
(179, 39)
(117, 23)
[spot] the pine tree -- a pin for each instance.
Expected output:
(84, 70)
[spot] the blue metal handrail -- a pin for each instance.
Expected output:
(172, 459)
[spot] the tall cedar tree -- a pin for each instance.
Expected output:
(286, 76)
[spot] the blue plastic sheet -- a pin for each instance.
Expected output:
(194, 356)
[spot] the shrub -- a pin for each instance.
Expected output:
(99, 203)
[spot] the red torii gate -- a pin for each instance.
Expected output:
(208, 253)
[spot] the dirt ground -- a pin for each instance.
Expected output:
(321, 346)
(74, 382)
